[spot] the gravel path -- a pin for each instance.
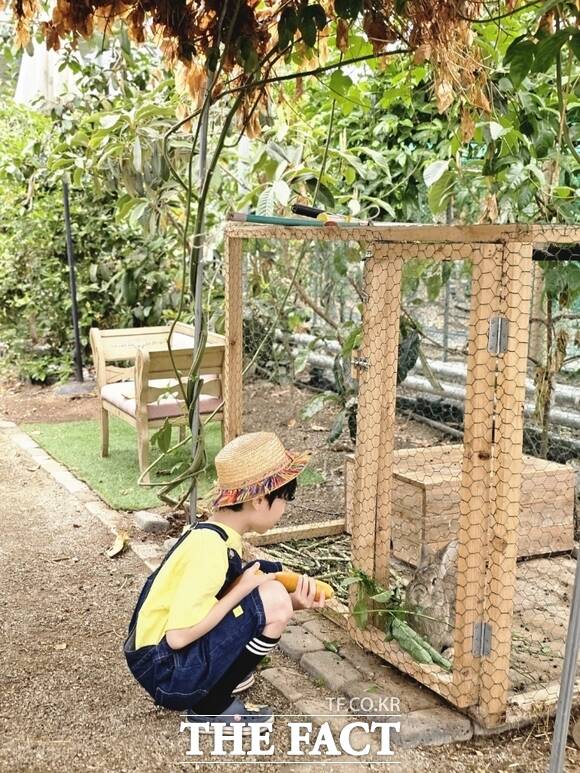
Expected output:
(69, 701)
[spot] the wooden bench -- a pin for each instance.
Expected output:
(137, 383)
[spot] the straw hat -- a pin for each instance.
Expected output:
(252, 465)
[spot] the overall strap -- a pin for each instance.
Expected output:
(212, 527)
(149, 581)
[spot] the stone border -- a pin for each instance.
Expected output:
(352, 675)
(148, 553)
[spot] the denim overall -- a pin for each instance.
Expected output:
(178, 678)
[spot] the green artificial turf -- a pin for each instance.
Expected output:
(76, 444)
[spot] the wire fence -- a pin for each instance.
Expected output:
(436, 384)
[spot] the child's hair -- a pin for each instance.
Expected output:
(286, 492)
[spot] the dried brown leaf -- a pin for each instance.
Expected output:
(119, 545)
(467, 125)
(342, 35)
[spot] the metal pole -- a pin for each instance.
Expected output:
(70, 256)
(558, 752)
(199, 277)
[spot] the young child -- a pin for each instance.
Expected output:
(203, 621)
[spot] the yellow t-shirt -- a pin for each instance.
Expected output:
(184, 590)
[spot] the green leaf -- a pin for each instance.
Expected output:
(212, 58)
(301, 360)
(137, 155)
(495, 130)
(164, 437)
(352, 340)
(307, 27)
(349, 581)
(361, 613)
(312, 18)
(287, 27)
(319, 15)
(265, 204)
(108, 121)
(548, 49)
(520, 57)
(406, 638)
(348, 9)
(563, 192)
(325, 196)
(282, 192)
(337, 427)
(349, 175)
(315, 405)
(574, 44)
(434, 172)
(137, 212)
(129, 288)
(383, 596)
(440, 193)
(340, 83)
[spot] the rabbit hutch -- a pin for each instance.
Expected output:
(463, 519)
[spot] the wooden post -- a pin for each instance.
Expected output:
(232, 384)
(392, 257)
(474, 501)
(377, 379)
(507, 474)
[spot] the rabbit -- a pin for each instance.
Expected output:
(431, 591)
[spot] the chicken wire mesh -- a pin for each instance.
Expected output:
(460, 488)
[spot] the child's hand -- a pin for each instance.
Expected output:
(251, 578)
(304, 597)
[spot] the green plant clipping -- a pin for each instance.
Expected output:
(388, 604)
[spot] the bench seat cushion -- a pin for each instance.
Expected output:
(121, 395)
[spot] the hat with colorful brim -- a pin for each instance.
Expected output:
(253, 465)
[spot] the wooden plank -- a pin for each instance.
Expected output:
(504, 514)
(393, 256)
(410, 232)
(123, 332)
(299, 531)
(476, 468)
(98, 358)
(372, 398)
(547, 694)
(161, 363)
(125, 347)
(232, 379)
(348, 477)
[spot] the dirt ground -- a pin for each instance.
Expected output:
(68, 698)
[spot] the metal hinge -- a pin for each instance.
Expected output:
(360, 362)
(481, 639)
(498, 335)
